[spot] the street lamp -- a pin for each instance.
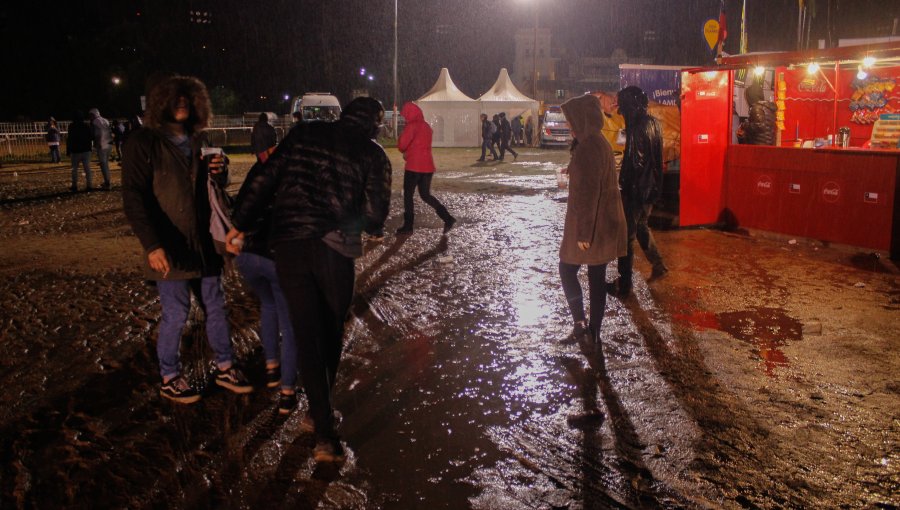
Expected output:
(534, 55)
(116, 80)
(394, 115)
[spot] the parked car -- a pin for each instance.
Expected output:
(317, 106)
(555, 130)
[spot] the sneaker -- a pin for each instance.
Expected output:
(287, 402)
(329, 451)
(234, 380)
(178, 390)
(273, 376)
(405, 229)
(449, 224)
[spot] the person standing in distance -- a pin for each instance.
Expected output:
(78, 148)
(415, 144)
(640, 181)
(594, 233)
(167, 204)
(327, 183)
(263, 138)
(102, 135)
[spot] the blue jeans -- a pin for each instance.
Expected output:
(103, 156)
(175, 299)
(85, 159)
(274, 314)
(54, 154)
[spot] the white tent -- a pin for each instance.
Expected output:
(452, 115)
(505, 97)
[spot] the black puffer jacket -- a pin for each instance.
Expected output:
(759, 129)
(167, 204)
(641, 175)
(323, 177)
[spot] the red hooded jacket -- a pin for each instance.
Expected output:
(415, 142)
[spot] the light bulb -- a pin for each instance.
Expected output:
(812, 68)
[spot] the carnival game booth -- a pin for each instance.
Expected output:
(452, 115)
(505, 97)
(832, 174)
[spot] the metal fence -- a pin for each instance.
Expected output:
(26, 142)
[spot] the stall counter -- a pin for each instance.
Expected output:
(834, 194)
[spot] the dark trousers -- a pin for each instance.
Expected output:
(487, 144)
(504, 146)
(318, 285)
(568, 273)
(636, 217)
(411, 181)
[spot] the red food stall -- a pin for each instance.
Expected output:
(808, 184)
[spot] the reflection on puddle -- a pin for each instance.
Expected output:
(767, 329)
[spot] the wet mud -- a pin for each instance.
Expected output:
(757, 374)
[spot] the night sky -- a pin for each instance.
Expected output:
(59, 58)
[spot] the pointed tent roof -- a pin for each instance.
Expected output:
(504, 90)
(444, 90)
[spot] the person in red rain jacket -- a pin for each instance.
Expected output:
(415, 144)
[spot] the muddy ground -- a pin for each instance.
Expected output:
(760, 373)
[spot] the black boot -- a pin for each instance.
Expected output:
(578, 333)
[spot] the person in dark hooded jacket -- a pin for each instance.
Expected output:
(759, 128)
(78, 147)
(327, 182)
(415, 144)
(640, 181)
(263, 138)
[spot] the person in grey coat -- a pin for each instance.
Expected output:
(102, 143)
(594, 233)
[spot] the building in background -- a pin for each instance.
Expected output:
(562, 73)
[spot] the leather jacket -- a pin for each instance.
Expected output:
(641, 176)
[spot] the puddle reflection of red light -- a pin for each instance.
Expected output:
(767, 329)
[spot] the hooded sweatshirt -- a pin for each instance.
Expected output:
(594, 208)
(415, 141)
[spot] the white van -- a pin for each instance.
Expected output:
(317, 106)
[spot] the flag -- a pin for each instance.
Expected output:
(723, 32)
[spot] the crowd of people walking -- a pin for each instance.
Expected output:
(298, 222)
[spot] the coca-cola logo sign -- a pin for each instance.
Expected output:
(831, 192)
(764, 184)
(811, 84)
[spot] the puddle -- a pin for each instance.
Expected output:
(766, 329)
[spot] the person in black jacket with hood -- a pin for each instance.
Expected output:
(327, 183)
(263, 138)
(640, 181)
(759, 128)
(78, 147)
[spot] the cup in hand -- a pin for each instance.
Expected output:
(207, 153)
